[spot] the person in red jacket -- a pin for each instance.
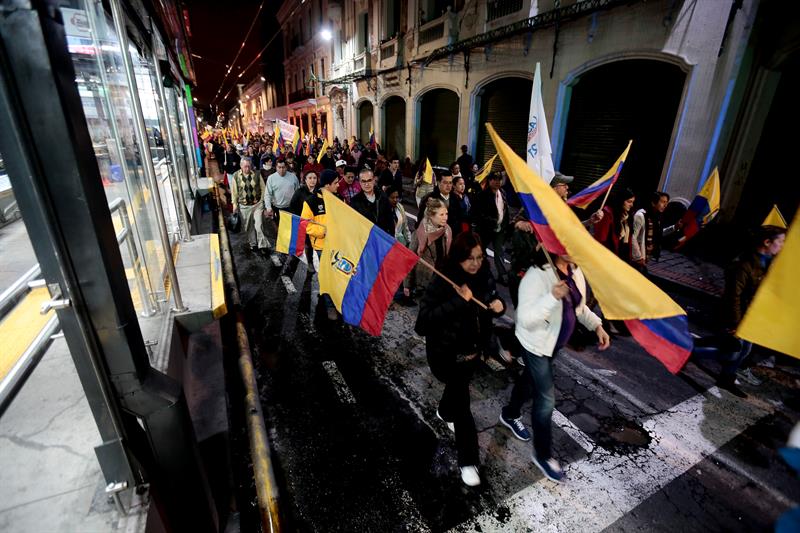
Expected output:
(614, 229)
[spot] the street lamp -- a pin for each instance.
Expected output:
(326, 34)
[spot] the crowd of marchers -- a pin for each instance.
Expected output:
(461, 223)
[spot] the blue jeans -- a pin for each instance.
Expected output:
(730, 360)
(535, 382)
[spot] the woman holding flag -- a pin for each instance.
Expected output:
(551, 303)
(452, 325)
(614, 229)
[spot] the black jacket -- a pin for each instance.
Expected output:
(451, 324)
(454, 216)
(232, 162)
(378, 212)
(300, 196)
(486, 216)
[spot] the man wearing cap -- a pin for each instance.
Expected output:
(340, 165)
(279, 191)
(560, 184)
(314, 209)
(349, 185)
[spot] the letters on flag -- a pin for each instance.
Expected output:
(775, 218)
(593, 191)
(703, 208)
(654, 320)
(291, 234)
(540, 154)
(771, 319)
(361, 266)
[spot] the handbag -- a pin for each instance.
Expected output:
(234, 222)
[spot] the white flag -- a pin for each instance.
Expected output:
(540, 155)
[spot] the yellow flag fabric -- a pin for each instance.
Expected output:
(427, 174)
(771, 319)
(482, 173)
(322, 150)
(775, 218)
(623, 293)
(277, 133)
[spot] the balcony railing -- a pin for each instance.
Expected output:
(302, 94)
(431, 33)
(388, 49)
(361, 62)
(496, 9)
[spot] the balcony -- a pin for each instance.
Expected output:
(361, 62)
(436, 33)
(388, 53)
(496, 9)
(302, 94)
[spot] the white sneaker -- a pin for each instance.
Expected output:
(747, 376)
(470, 476)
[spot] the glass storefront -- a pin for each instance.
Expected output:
(106, 98)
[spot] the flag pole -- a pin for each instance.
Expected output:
(606, 196)
(451, 282)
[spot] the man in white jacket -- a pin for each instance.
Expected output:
(546, 316)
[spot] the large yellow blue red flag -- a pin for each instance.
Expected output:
(593, 191)
(654, 320)
(703, 208)
(771, 319)
(775, 218)
(361, 266)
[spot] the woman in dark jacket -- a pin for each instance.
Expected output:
(301, 195)
(455, 329)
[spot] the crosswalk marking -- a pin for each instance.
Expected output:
(339, 384)
(603, 487)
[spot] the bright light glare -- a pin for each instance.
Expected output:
(326, 34)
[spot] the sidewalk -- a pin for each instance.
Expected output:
(689, 272)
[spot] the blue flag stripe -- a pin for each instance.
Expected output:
(358, 290)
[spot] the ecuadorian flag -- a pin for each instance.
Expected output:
(703, 208)
(361, 266)
(593, 191)
(371, 138)
(291, 234)
(654, 320)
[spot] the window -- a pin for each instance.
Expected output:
(391, 19)
(322, 68)
(363, 32)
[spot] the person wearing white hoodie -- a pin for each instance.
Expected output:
(546, 316)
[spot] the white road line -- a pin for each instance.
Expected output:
(288, 284)
(590, 373)
(602, 488)
(581, 439)
(342, 390)
(275, 260)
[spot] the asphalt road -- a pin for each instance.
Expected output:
(357, 445)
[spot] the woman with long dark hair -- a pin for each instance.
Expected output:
(614, 229)
(452, 324)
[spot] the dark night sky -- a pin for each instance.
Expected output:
(217, 30)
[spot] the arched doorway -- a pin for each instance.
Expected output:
(394, 127)
(504, 103)
(633, 99)
(364, 121)
(438, 126)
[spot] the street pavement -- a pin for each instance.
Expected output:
(357, 445)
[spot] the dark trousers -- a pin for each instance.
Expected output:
(535, 382)
(454, 405)
(497, 240)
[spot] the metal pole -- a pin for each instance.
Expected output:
(173, 175)
(144, 151)
(148, 309)
(266, 487)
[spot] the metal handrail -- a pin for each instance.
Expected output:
(11, 295)
(119, 204)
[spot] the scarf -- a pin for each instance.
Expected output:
(427, 234)
(624, 228)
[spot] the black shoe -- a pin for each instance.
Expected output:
(729, 385)
(253, 247)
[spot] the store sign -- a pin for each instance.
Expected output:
(76, 23)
